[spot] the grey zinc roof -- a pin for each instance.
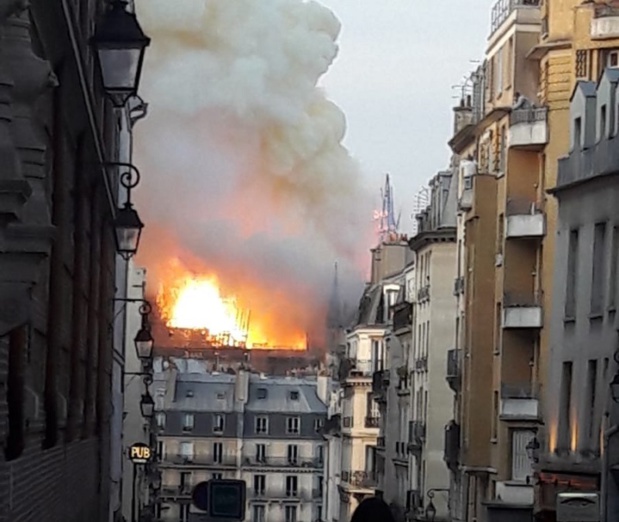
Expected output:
(278, 396)
(203, 392)
(587, 88)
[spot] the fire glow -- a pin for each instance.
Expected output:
(196, 302)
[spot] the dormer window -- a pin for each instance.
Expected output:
(221, 396)
(262, 393)
(294, 395)
(189, 393)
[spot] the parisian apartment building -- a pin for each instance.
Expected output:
(266, 431)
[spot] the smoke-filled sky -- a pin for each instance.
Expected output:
(245, 173)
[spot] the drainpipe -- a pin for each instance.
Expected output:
(608, 434)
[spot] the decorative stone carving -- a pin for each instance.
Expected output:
(26, 241)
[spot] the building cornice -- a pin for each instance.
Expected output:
(429, 237)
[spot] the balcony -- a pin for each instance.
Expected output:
(360, 479)
(168, 491)
(416, 435)
(282, 495)
(283, 462)
(372, 422)
(522, 310)
(353, 369)
(503, 9)
(458, 286)
(519, 401)
(453, 369)
(200, 461)
(528, 128)
(605, 22)
(524, 219)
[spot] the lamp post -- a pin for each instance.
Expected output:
(127, 225)
(431, 508)
(120, 45)
(144, 341)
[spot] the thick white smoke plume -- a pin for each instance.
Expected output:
(241, 151)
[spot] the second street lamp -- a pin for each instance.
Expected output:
(147, 405)
(120, 45)
(144, 341)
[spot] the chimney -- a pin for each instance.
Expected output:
(241, 386)
(322, 388)
(463, 115)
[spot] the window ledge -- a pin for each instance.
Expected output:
(597, 316)
(569, 319)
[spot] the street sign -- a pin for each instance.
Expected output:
(140, 453)
(227, 499)
(199, 496)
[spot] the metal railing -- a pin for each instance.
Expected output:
(360, 368)
(528, 115)
(519, 390)
(176, 491)
(503, 8)
(372, 422)
(521, 207)
(200, 460)
(291, 495)
(283, 462)
(522, 299)
(360, 479)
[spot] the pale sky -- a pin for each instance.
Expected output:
(393, 79)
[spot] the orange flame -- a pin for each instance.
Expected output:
(196, 302)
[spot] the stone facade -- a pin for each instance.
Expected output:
(57, 266)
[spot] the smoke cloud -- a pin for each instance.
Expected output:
(245, 174)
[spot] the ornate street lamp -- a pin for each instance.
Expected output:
(127, 225)
(147, 405)
(144, 341)
(120, 45)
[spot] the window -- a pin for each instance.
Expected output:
(261, 453)
(262, 425)
(262, 393)
(592, 377)
(189, 393)
(602, 122)
(160, 420)
(293, 425)
(294, 395)
(320, 453)
(221, 396)
(291, 486)
(259, 514)
(186, 449)
(495, 416)
(218, 423)
(259, 484)
(293, 454)
(185, 480)
(185, 512)
(521, 464)
(217, 476)
(188, 422)
(565, 413)
(599, 269)
(498, 73)
(572, 275)
(160, 449)
(291, 514)
(318, 424)
(218, 451)
(577, 134)
(614, 266)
